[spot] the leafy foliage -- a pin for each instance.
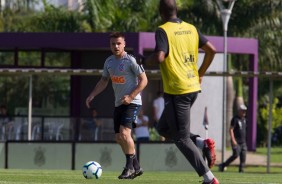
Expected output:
(264, 115)
(13, 17)
(54, 19)
(203, 14)
(124, 15)
(262, 20)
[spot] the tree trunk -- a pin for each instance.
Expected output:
(229, 106)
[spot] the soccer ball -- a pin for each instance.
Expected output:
(91, 170)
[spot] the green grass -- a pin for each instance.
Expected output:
(252, 176)
(276, 153)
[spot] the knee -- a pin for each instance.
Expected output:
(235, 154)
(194, 138)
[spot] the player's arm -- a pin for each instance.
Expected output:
(127, 99)
(210, 52)
(161, 49)
(209, 55)
(144, 122)
(231, 131)
(155, 113)
(100, 86)
(158, 57)
(233, 140)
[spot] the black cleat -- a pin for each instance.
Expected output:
(138, 172)
(221, 168)
(127, 174)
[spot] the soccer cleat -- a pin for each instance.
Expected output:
(209, 153)
(138, 172)
(214, 181)
(127, 174)
(221, 168)
(241, 169)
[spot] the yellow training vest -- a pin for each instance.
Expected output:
(180, 68)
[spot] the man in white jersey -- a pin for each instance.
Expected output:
(141, 131)
(158, 107)
(128, 80)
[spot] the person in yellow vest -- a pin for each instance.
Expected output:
(176, 51)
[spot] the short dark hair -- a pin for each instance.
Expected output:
(168, 8)
(116, 35)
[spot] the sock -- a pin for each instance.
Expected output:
(200, 142)
(136, 164)
(208, 177)
(129, 161)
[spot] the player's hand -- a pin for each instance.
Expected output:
(234, 143)
(88, 100)
(126, 100)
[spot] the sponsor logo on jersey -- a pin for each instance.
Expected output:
(182, 32)
(189, 58)
(118, 79)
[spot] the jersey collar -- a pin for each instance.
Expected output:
(175, 20)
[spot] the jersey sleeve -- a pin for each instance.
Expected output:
(202, 39)
(135, 67)
(233, 122)
(161, 41)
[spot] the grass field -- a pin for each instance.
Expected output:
(275, 154)
(252, 176)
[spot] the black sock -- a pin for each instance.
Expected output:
(129, 161)
(136, 164)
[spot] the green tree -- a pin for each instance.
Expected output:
(54, 19)
(264, 115)
(125, 15)
(13, 15)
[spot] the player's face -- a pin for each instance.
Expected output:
(117, 46)
(242, 113)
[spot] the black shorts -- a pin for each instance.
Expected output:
(126, 115)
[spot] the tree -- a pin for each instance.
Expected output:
(124, 16)
(14, 13)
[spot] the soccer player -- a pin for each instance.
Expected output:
(177, 44)
(128, 80)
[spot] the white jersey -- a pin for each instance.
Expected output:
(124, 74)
(158, 104)
(142, 131)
